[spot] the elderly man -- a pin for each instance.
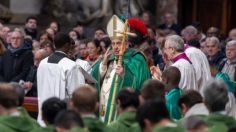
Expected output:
(189, 33)
(132, 73)
(17, 60)
(174, 49)
(214, 53)
(229, 64)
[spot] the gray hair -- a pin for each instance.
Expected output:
(214, 40)
(191, 29)
(231, 43)
(176, 42)
(216, 95)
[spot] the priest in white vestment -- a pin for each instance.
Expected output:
(57, 75)
(174, 48)
(200, 64)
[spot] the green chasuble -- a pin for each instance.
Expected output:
(94, 124)
(18, 123)
(217, 118)
(124, 121)
(169, 128)
(172, 98)
(136, 71)
(231, 85)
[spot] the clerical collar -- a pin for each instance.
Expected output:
(56, 57)
(181, 56)
(186, 46)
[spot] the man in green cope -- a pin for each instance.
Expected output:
(85, 102)
(132, 73)
(11, 118)
(127, 104)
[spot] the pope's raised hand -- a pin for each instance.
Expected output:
(106, 56)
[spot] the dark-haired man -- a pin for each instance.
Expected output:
(153, 116)
(58, 75)
(31, 27)
(127, 105)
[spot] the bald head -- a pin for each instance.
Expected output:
(39, 55)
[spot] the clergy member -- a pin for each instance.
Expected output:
(174, 49)
(200, 65)
(132, 73)
(58, 75)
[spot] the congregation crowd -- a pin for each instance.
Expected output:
(161, 78)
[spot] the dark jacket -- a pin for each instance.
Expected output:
(32, 77)
(16, 64)
(217, 59)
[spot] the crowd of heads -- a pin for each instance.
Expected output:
(149, 104)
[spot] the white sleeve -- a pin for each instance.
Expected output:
(74, 79)
(102, 70)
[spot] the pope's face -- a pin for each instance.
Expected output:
(116, 46)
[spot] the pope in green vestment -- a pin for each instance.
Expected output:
(136, 71)
(172, 98)
(125, 65)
